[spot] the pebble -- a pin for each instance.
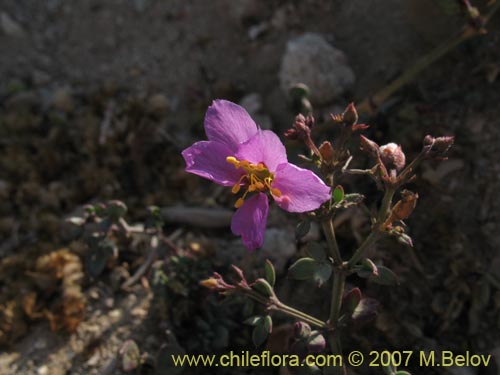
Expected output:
(253, 105)
(158, 105)
(311, 60)
(10, 27)
(62, 100)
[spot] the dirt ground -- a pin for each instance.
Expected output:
(97, 99)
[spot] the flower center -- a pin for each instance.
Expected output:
(256, 178)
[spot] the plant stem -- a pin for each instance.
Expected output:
(333, 247)
(375, 234)
(360, 252)
(280, 306)
(274, 304)
(385, 206)
(338, 285)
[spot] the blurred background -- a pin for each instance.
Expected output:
(98, 99)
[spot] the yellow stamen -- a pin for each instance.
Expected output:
(257, 178)
(236, 188)
(275, 192)
(239, 203)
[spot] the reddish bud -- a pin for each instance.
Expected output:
(392, 156)
(301, 128)
(369, 146)
(350, 115)
(301, 330)
(443, 144)
(326, 151)
(438, 147)
(216, 283)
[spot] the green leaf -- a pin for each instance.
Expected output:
(116, 209)
(385, 277)
(368, 269)
(404, 239)
(316, 251)
(322, 273)
(270, 272)
(253, 320)
(351, 300)
(338, 194)
(262, 330)
(389, 370)
(403, 373)
(366, 310)
(302, 269)
(302, 229)
(263, 287)
(100, 252)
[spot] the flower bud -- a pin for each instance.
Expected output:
(326, 151)
(301, 128)
(316, 342)
(392, 156)
(438, 147)
(369, 146)
(429, 140)
(301, 330)
(210, 283)
(217, 283)
(443, 144)
(350, 115)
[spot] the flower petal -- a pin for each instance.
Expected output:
(264, 147)
(208, 159)
(228, 123)
(249, 221)
(301, 190)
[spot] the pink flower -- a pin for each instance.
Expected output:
(253, 162)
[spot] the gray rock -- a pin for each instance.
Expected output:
(253, 105)
(10, 27)
(311, 60)
(279, 246)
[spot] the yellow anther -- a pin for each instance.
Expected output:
(276, 192)
(259, 185)
(236, 188)
(256, 177)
